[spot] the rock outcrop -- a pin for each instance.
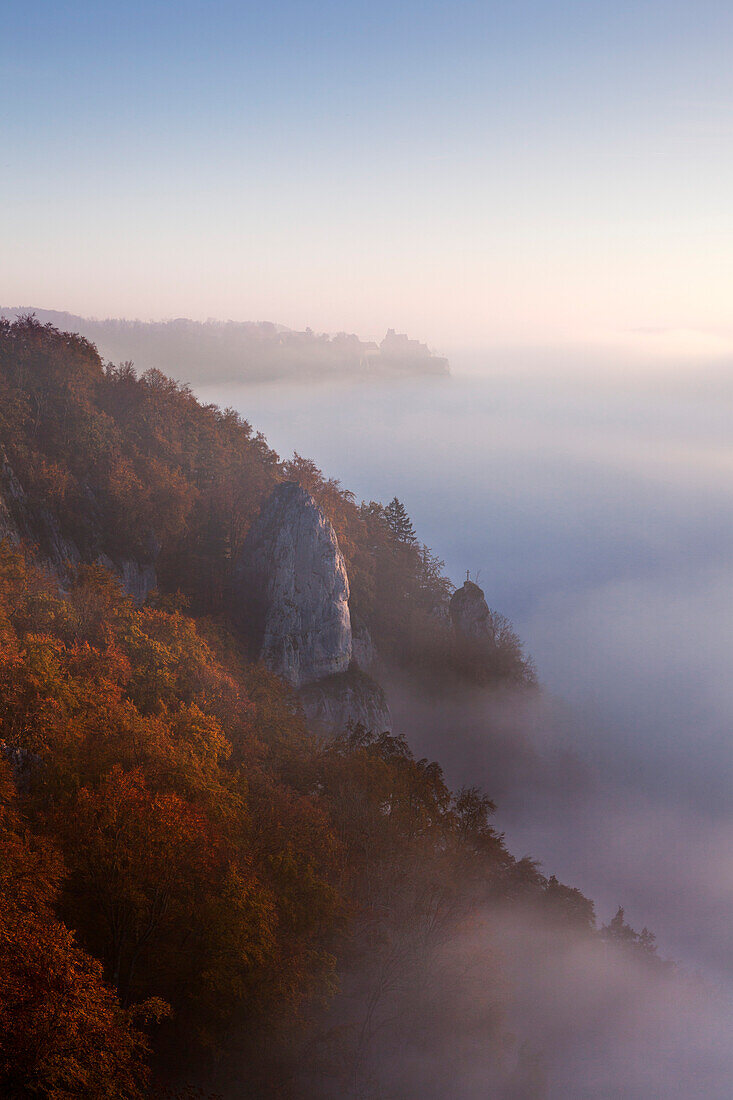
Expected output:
(137, 578)
(292, 595)
(470, 615)
(486, 649)
(363, 649)
(292, 591)
(349, 699)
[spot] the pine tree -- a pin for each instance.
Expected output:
(399, 523)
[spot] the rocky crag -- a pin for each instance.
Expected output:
(486, 649)
(291, 593)
(348, 697)
(470, 615)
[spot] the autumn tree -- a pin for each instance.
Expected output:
(62, 1031)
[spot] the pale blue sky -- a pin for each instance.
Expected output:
(472, 172)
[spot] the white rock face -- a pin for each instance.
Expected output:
(350, 699)
(291, 580)
(470, 614)
(362, 647)
(137, 579)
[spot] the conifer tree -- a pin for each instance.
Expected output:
(399, 522)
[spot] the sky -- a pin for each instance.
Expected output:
(476, 173)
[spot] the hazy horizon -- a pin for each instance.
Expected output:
(661, 355)
(469, 172)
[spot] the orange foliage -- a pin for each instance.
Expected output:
(193, 872)
(62, 1031)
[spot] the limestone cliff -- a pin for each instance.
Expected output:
(291, 584)
(138, 578)
(363, 649)
(351, 698)
(291, 593)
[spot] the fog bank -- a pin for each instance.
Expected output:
(596, 510)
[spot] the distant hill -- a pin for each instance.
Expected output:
(244, 351)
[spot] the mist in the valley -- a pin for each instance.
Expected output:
(595, 509)
(508, 1007)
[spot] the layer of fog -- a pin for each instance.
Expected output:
(510, 1008)
(599, 512)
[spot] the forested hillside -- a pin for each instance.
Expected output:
(195, 889)
(136, 468)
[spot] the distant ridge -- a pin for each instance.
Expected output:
(244, 351)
